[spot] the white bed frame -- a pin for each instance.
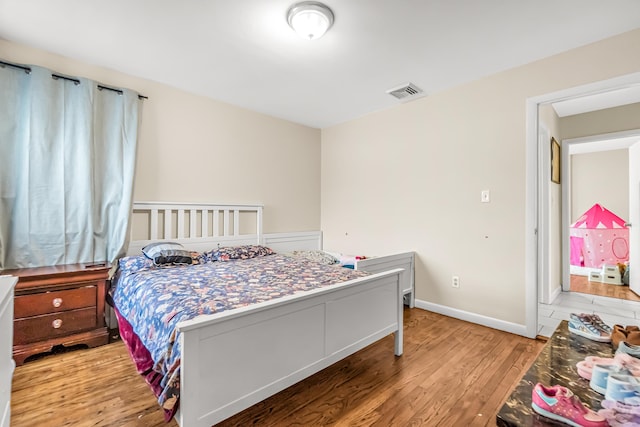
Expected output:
(405, 261)
(235, 359)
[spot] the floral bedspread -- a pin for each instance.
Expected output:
(155, 299)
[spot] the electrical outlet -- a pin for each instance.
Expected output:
(455, 281)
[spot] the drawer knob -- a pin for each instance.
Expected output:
(57, 302)
(56, 323)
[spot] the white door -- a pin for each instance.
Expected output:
(634, 217)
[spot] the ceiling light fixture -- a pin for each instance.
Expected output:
(310, 19)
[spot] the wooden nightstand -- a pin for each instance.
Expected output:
(58, 305)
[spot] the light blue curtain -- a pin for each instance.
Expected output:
(67, 162)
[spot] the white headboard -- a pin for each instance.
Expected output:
(198, 226)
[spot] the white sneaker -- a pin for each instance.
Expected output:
(622, 388)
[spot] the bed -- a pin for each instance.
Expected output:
(232, 359)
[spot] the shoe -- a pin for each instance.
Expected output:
(621, 414)
(592, 319)
(589, 331)
(631, 406)
(580, 318)
(601, 373)
(630, 349)
(622, 388)
(585, 367)
(629, 334)
(597, 321)
(560, 404)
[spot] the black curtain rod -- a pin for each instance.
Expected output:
(71, 79)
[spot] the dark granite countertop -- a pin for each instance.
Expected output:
(556, 365)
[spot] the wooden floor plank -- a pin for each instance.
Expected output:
(452, 373)
(583, 285)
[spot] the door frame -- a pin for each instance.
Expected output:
(537, 190)
(544, 293)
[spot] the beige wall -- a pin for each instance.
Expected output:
(626, 117)
(601, 177)
(551, 121)
(194, 149)
(409, 178)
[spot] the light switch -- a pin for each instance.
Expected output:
(485, 196)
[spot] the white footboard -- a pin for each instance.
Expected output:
(403, 260)
(235, 359)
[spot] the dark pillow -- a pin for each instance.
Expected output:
(167, 253)
(240, 252)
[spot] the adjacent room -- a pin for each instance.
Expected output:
(594, 206)
(269, 212)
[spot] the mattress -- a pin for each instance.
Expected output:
(151, 300)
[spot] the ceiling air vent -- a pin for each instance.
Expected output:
(405, 92)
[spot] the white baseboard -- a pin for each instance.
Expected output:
(479, 319)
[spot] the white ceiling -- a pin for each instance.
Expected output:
(242, 51)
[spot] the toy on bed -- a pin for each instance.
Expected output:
(350, 261)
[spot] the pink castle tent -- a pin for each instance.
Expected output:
(599, 237)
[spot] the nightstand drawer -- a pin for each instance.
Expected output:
(53, 302)
(51, 325)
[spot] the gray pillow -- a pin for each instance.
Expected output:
(167, 253)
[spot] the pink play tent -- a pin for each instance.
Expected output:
(599, 237)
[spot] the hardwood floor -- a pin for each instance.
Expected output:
(581, 284)
(452, 373)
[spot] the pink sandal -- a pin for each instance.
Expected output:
(585, 367)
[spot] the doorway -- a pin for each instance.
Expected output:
(538, 263)
(597, 170)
